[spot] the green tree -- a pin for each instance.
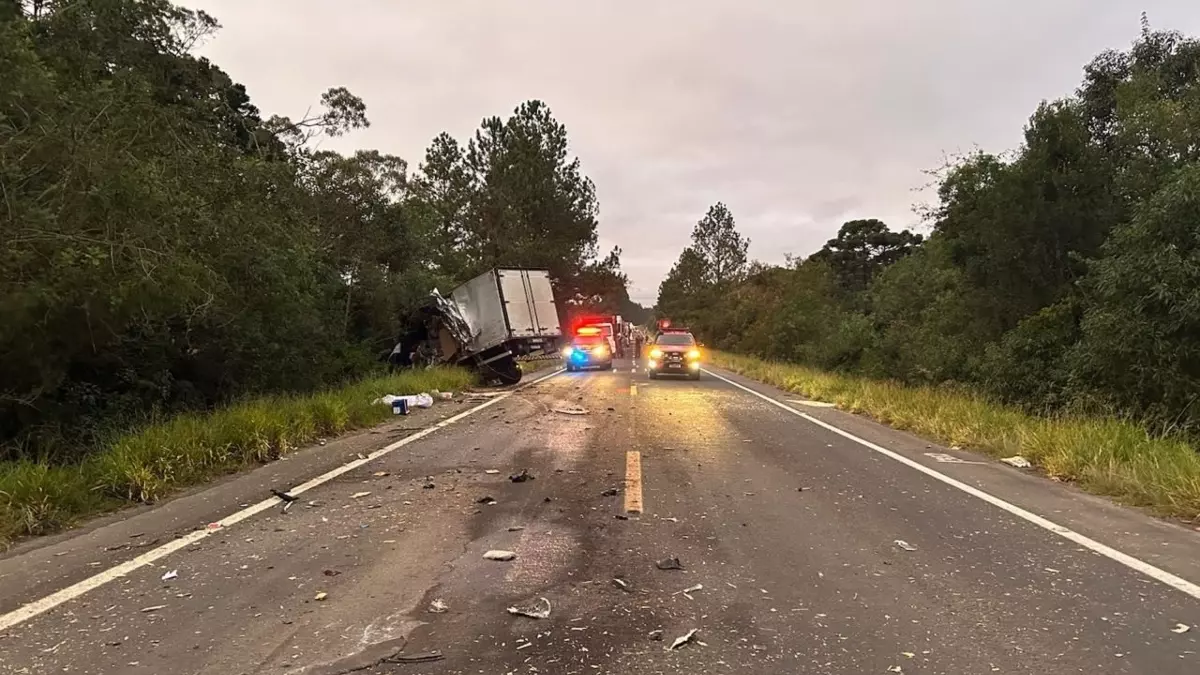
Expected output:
(720, 246)
(862, 249)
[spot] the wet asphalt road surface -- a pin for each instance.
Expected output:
(805, 553)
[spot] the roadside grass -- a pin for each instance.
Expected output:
(1106, 456)
(148, 464)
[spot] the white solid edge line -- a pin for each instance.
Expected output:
(1161, 575)
(29, 610)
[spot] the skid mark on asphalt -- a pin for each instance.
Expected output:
(44, 604)
(1135, 564)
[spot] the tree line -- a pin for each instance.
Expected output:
(1063, 276)
(166, 246)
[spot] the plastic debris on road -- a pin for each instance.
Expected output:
(421, 400)
(521, 477)
(359, 495)
(623, 584)
(538, 609)
(491, 472)
(173, 574)
(571, 411)
(485, 500)
(152, 608)
(656, 635)
(895, 669)
(1017, 461)
(669, 564)
(1181, 628)
(500, 555)
(687, 592)
(683, 639)
(283, 495)
(905, 545)
(438, 606)
(321, 595)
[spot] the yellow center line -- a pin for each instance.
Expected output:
(633, 482)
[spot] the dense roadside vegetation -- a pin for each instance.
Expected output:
(1062, 278)
(166, 249)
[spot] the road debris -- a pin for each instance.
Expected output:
(571, 411)
(321, 595)
(691, 589)
(656, 635)
(1181, 628)
(683, 639)
(213, 526)
(622, 584)
(491, 472)
(905, 545)
(500, 555)
(380, 474)
(521, 477)
(173, 574)
(672, 563)
(359, 495)
(610, 492)
(516, 528)
(331, 573)
(895, 669)
(152, 608)
(485, 500)
(909, 655)
(1017, 461)
(539, 609)
(438, 606)
(428, 486)
(423, 657)
(283, 495)
(621, 516)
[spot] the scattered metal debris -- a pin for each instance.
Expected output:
(1181, 628)
(152, 608)
(428, 486)
(571, 411)
(321, 595)
(656, 635)
(359, 495)
(485, 500)
(621, 516)
(672, 563)
(687, 592)
(331, 573)
(173, 574)
(500, 555)
(283, 495)
(516, 528)
(895, 669)
(538, 609)
(491, 472)
(438, 606)
(610, 492)
(905, 545)
(623, 584)
(424, 657)
(521, 477)
(380, 474)
(683, 639)
(1017, 461)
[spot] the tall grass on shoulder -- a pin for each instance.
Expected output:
(1105, 456)
(146, 465)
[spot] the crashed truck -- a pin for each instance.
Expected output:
(489, 324)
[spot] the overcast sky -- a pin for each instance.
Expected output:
(797, 114)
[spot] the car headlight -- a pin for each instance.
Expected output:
(693, 354)
(600, 351)
(656, 353)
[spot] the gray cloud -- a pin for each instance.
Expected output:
(798, 115)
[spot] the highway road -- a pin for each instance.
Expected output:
(809, 541)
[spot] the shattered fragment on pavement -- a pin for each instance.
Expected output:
(521, 477)
(499, 555)
(683, 639)
(905, 545)
(538, 609)
(672, 563)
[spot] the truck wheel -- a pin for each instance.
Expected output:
(506, 370)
